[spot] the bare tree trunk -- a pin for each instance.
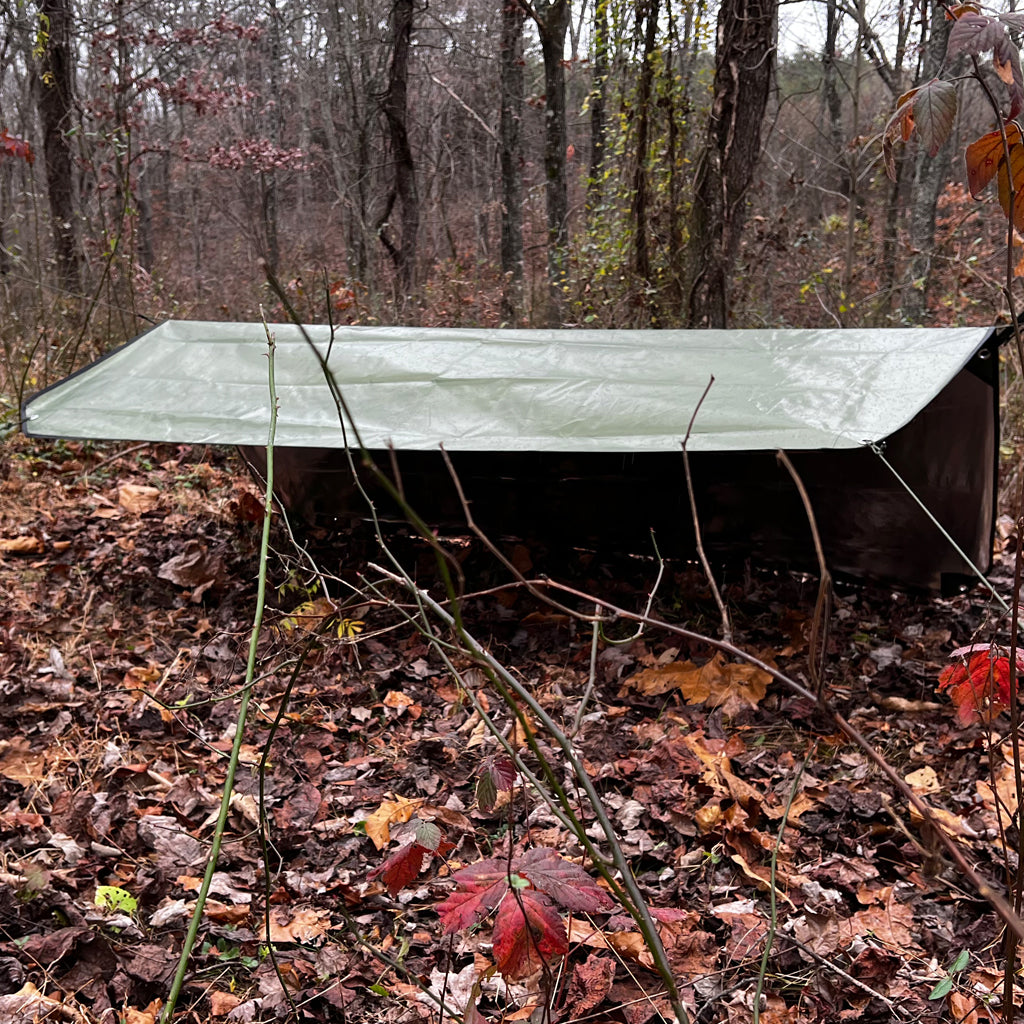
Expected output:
(830, 88)
(641, 257)
(512, 96)
(930, 177)
(54, 83)
(396, 109)
(598, 127)
(744, 75)
(552, 18)
(268, 178)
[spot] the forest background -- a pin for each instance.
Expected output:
(624, 163)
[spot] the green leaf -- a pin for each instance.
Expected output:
(486, 793)
(111, 897)
(942, 989)
(961, 961)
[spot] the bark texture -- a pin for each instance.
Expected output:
(396, 110)
(512, 98)
(552, 19)
(744, 76)
(55, 101)
(930, 177)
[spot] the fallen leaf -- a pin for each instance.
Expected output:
(391, 812)
(224, 913)
(222, 1003)
(590, 983)
(146, 1016)
(22, 545)
(306, 925)
(29, 1004)
(138, 498)
(924, 780)
(21, 765)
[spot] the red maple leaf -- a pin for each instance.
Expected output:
(980, 688)
(528, 932)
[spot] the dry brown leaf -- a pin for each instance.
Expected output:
(890, 923)
(146, 1016)
(391, 812)
(761, 877)
(21, 765)
(1003, 800)
(589, 985)
(730, 686)
(21, 545)
(662, 678)
(742, 792)
(628, 944)
(222, 1003)
(523, 1013)
(691, 951)
(924, 780)
(708, 817)
(950, 823)
(29, 1004)
(137, 677)
(747, 928)
(224, 913)
(966, 1009)
(306, 925)
(718, 683)
(137, 498)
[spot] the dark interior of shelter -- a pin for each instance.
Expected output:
(749, 507)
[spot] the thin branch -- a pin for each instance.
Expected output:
(722, 610)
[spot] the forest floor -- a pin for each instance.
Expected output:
(129, 583)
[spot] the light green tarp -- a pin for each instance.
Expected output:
(510, 390)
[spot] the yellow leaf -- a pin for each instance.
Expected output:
(391, 812)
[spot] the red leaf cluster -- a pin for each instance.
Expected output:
(18, 148)
(528, 930)
(979, 687)
(405, 864)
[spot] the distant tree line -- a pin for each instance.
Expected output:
(537, 162)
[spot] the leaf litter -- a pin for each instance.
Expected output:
(389, 804)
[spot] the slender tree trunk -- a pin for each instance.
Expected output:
(552, 19)
(512, 96)
(268, 178)
(641, 257)
(54, 98)
(143, 201)
(833, 102)
(396, 109)
(744, 75)
(676, 110)
(598, 126)
(930, 177)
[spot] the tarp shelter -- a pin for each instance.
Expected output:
(575, 436)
